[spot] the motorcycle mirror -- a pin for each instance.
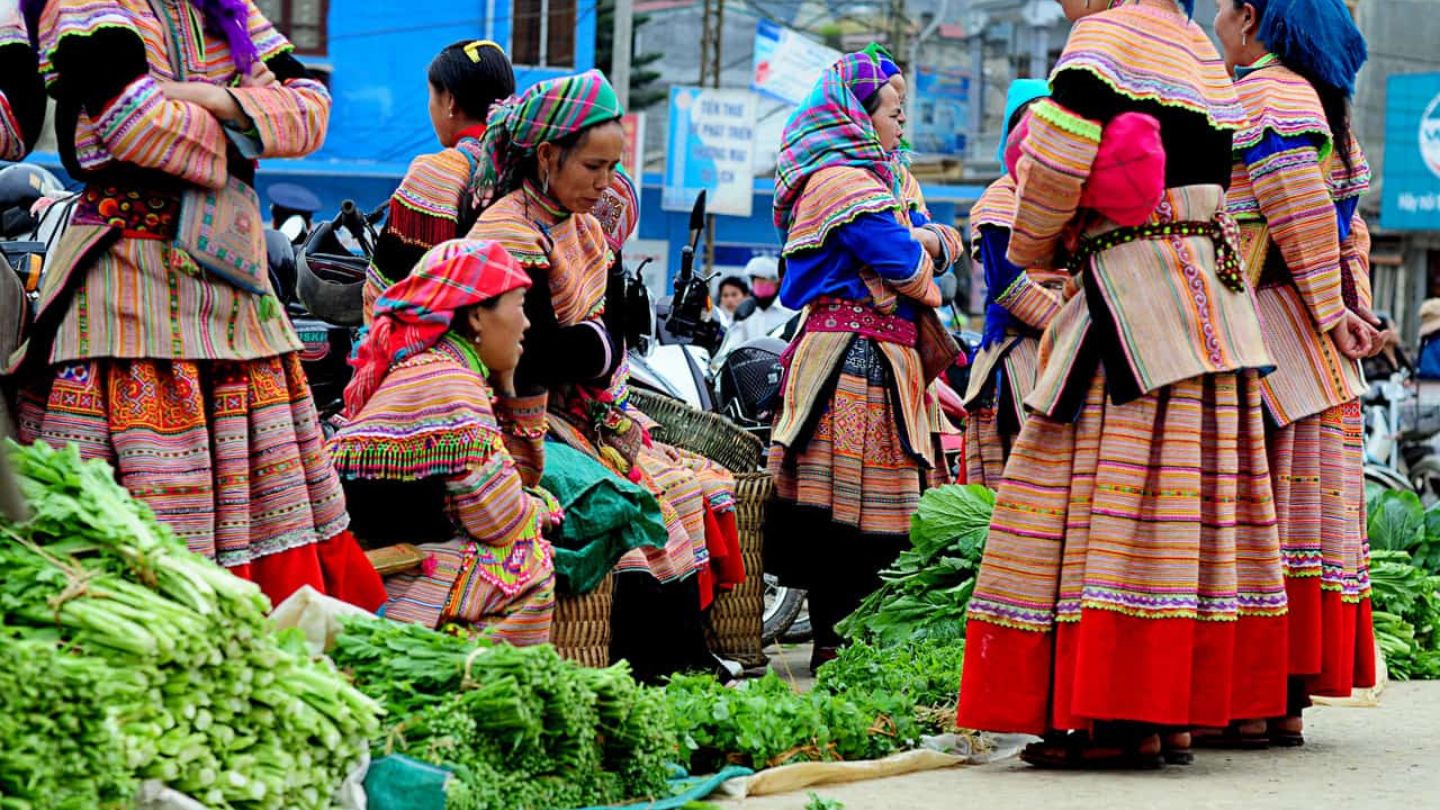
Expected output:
(697, 213)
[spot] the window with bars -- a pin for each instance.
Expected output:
(543, 33)
(301, 21)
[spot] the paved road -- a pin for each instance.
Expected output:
(1386, 757)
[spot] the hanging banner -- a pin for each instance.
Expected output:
(634, 158)
(1410, 195)
(711, 147)
(787, 64)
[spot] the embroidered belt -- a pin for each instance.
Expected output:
(843, 315)
(139, 214)
(1222, 230)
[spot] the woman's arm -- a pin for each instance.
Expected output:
(102, 68)
(880, 244)
(490, 504)
(1290, 187)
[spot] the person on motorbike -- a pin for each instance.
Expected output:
(434, 423)
(151, 350)
(733, 290)
(292, 209)
(561, 209)
(439, 198)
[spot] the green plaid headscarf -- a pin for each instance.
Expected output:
(546, 112)
(830, 128)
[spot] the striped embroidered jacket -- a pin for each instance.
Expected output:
(1031, 299)
(1154, 311)
(136, 297)
(1295, 200)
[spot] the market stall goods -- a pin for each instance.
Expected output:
(128, 657)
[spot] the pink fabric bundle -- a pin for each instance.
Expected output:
(1127, 178)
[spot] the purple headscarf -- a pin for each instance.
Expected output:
(228, 18)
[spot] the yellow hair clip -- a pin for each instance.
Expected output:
(473, 49)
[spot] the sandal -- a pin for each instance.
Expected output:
(1175, 748)
(1240, 735)
(1078, 751)
(1286, 732)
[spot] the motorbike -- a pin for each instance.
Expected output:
(1400, 432)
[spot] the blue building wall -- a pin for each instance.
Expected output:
(378, 63)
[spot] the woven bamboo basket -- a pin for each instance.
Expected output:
(737, 617)
(581, 629)
(705, 434)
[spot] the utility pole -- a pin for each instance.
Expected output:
(711, 42)
(622, 49)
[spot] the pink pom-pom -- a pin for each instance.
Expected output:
(428, 565)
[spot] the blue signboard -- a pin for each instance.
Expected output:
(1411, 199)
(711, 147)
(942, 111)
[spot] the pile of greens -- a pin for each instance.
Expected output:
(925, 672)
(1404, 563)
(764, 723)
(926, 591)
(123, 656)
(520, 727)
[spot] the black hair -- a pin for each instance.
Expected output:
(476, 83)
(872, 103)
(1333, 100)
(736, 282)
(528, 168)
(1019, 115)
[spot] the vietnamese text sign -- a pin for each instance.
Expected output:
(711, 147)
(787, 64)
(1411, 191)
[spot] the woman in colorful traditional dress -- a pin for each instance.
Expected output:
(1131, 580)
(552, 164)
(1299, 174)
(22, 93)
(439, 198)
(187, 380)
(1018, 307)
(853, 444)
(433, 420)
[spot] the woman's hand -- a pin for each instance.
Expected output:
(1355, 338)
(929, 240)
(215, 100)
(259, 76)
(504, 382)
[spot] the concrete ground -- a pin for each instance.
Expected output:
(1385, 757)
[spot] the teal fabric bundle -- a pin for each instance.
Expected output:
(605, 516)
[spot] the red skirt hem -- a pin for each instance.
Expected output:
(1110, 666)
(336, 567)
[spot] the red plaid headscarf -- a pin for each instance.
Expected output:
(413, 314)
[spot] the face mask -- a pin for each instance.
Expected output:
(764, 288)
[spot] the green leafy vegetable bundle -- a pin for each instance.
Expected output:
(926, 591)
(160, 664)
(1406, 615)
(521, 727)
(764, 723)
(925, 672)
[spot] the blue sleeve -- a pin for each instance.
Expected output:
(999, 275)
(1345, 215)
(1273, 143)
(880, 243)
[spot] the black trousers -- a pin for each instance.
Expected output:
(658, 628)
(837, 564)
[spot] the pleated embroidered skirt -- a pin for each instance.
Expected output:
(1132, 571)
